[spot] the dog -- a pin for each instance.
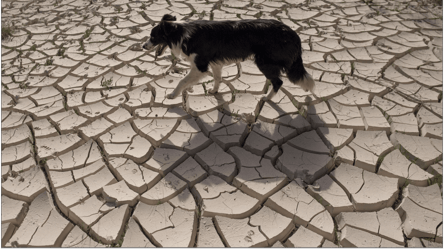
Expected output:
(274, 46)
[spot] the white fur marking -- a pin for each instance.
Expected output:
(177, 50)
(180, 21)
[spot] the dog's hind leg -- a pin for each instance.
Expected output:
(239, 69)
(272, 72)
(277, 83)
(217, 75)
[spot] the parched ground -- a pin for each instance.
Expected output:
(94, 155)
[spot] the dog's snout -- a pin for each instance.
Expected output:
(148, 45)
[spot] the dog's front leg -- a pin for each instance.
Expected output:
(191, 78)
(217, 75)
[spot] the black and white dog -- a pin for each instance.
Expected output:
(273, 45)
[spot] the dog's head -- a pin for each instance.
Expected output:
(159, 34)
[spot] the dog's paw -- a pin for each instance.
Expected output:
(213, 91)
(190, 89)
(264, 98)
(170, 96)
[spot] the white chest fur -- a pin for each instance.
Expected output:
(176, 49)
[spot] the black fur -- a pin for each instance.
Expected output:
(275, 46)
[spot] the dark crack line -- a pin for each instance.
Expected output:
(437, 228)
(47, 218)
(362, 183)
(86, 186)
(89, 153)
(379, 223)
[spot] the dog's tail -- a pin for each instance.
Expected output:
(296, 73)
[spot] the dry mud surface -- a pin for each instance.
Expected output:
(94, 155)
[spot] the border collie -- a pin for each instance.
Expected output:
(275, 47)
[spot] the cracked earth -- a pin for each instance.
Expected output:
(95, 155)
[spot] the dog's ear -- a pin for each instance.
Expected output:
(165, 24)
(168, 17)
(167, 27)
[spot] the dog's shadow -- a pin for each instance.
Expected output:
(298, 119)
